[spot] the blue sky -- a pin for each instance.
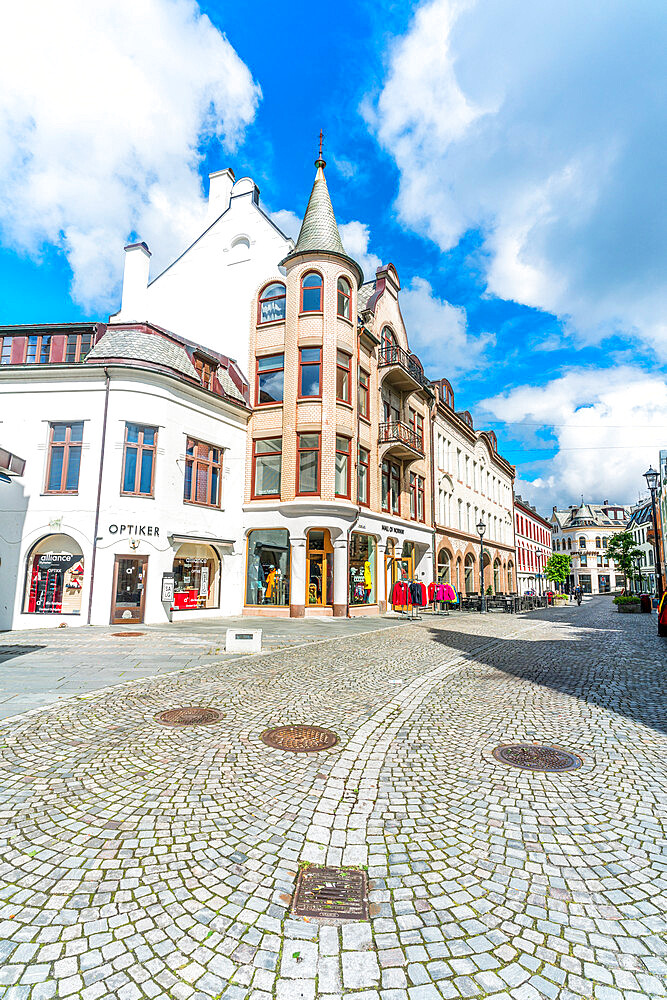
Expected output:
(509, 159)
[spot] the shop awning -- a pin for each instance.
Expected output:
(201, 540)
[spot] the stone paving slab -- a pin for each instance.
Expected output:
(142, 861)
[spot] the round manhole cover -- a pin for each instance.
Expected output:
(125, 635)
(537, 757)
(299, 738)
(192, 715)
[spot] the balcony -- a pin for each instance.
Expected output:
(401, 441)
(400, 370)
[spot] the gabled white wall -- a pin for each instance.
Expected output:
(206, 294)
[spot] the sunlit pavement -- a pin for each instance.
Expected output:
(147, 861)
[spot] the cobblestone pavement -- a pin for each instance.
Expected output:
(46, 665)
(143, 861)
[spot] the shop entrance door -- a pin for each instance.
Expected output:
(319, 567)
(129, 590)
(396, 569)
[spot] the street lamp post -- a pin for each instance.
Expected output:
(652, 478)
(481, 528)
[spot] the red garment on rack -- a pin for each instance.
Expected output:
(399, 594)
(423, 593)
(431, 592)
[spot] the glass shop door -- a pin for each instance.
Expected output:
(129, 590)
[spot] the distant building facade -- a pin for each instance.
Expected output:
(471, 482)
(533, 546)
(641, 526)
(583, 532)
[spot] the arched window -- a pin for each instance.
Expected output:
(54, 579)
(444, 570)
(389, 346)
(598, 543)
(272, 303)
(458, 574)
(470, 573)
(311, 292)
(496, 577)
(604, 543)
(582, 542)
(569, 545)
(510, 582)
(344, 297)
(558, 545)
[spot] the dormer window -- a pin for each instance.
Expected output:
(344, 296)
(311, 292)
(205, 369)
(272, 303)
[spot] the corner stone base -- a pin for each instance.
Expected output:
(297, 611)
(339, 610)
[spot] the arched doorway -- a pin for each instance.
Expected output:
(444, 567)
(470, 573)
(487, 571)
(319, 568)
(54, 579)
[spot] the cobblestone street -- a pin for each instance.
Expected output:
(145, 861)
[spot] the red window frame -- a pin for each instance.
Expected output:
(343, 376)
(140, 446)
(343, 296)
(310, 364)
(271, 298)
(343, 450)
(301, 450)
(200, 457)
(364, 394)
(6, 350)
(34, 351)
(67, 445)
(268, 371)
(78, 347)
(311, 288)
(364, 463)
(255, 442)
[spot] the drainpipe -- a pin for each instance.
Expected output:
(355, 469)
(99, 491)
(432, 411)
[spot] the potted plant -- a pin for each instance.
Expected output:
(628, 604)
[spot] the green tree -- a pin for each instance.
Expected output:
(558, 568)
(622, 549)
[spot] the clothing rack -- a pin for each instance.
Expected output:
(410, 610)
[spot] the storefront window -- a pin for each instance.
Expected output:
(267, 580)
(55, 577)
(362, 569)
(444, 571)
(196, 577)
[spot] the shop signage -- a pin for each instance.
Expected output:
(133, 529)
(393, 530)
(167, 587)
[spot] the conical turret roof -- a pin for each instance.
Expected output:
(319, 229)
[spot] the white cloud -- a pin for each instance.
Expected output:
(609, 426)
(355, 236)
(437, 330)
(539, 124)
(103, 108)
(287, 221)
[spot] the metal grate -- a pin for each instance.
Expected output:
(331, 893)
(299, 738)
(537, 757)
(192, 715)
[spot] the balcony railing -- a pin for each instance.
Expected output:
(392, 354)
(396, 432)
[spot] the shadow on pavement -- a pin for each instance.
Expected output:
(614, 668)
(8, 652)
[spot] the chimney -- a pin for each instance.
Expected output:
(135, 281)
(220, 184)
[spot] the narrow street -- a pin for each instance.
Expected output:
(141, 860)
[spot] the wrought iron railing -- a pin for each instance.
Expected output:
(392, 354)
(395, 431)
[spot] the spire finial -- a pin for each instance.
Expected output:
(319, 162)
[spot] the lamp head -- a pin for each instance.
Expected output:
(481, 528)
(652, 478)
